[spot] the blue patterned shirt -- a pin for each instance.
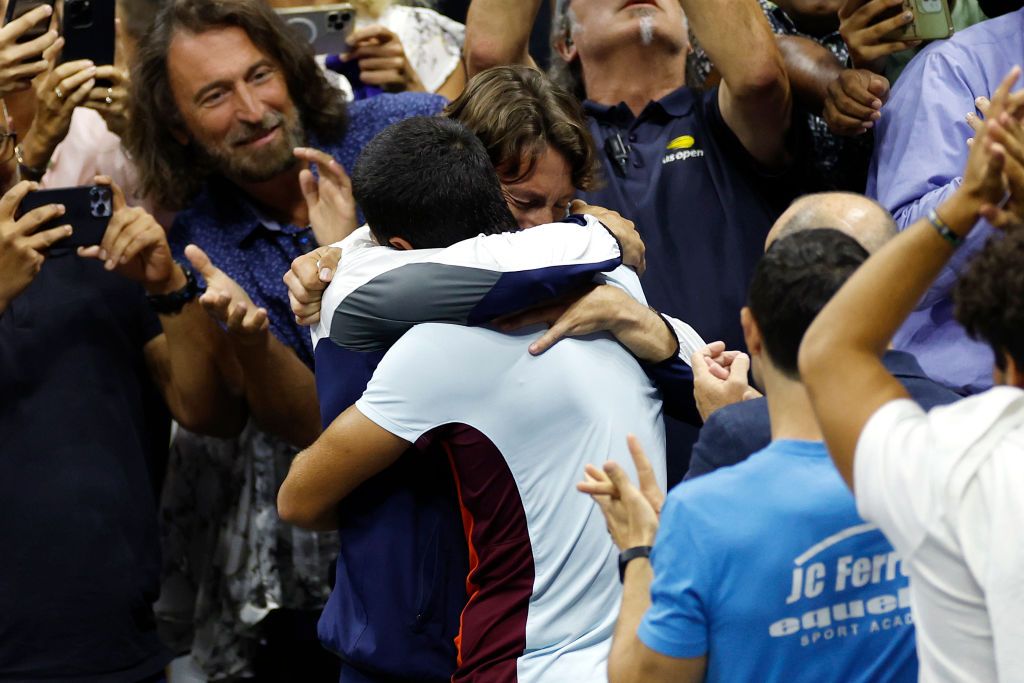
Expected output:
(256, 252)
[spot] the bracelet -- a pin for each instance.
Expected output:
(169, 304)
(630, 554)
(27, 172)
(945, 232)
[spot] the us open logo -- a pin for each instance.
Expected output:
(680, 149)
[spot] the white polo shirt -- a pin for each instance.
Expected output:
(947, 488)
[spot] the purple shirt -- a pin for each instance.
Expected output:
(920, 152)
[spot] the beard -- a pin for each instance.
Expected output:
(234, 161)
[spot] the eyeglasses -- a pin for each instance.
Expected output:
(8, 137)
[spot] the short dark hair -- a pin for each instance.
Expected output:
(793, 281)
(429, 181)
(517, 112)
(168, 170)
(989, 297)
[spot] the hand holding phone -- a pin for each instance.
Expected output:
(24, 38)
(871, 29)
(325, 27)
(25, 237)
(86, 209)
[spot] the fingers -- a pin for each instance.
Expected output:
(52, 53)
(201, 262)
(36, 46)
(26, 72)
(330, 259)
(12, 198)
(309, 187)
(375, 33)
(215, 303)
(28, 223)
(118, 201)
(303, 279)
(1000, 97)
(42, 240)
(551, 337)
(531, 316)
(864, 13)
(242, 319)
(646, 479)
(740, 368)
(12, 31)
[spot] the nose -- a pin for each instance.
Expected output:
(250, 108)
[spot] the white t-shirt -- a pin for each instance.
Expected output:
(519, 429)
(947, 488)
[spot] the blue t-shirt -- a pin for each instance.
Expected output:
(766, 568)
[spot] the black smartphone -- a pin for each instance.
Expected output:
(89, 32)
(18, 8)
(87, 209)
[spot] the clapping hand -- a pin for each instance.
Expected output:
(332, 209)
(227, 302)
(630, 511)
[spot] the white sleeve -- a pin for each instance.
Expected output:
(892, 474)
(414, 388)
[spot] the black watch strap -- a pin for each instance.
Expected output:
(630, 554)
(169, 304)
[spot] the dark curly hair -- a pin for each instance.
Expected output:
(170, 172)
(989, 297)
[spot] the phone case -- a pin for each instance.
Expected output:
(88, 30)
(932, 20)
(87, 210)
(18, 8)
(324, 27)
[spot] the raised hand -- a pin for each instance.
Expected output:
(869, 38)
(631, 512)
(135, 245)
(382, 60)
(227, 302)
(21, 62)
(22, 246)
(306, 281)
(65, 87)
(111, 102)
(720, 378)
(332, 209)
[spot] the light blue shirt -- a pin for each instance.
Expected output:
(766, 568)
(920, 153)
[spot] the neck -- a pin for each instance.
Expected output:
(789, 408)
(281, 197)
(617, 77)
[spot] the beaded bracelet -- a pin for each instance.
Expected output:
(945, 232)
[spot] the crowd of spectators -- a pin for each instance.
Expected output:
(697, 355)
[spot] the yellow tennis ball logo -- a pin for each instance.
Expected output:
(681, 142)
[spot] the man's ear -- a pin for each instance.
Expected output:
(566, 48)
(400, 244)
(751, 332)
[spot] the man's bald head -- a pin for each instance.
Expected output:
(863, 219)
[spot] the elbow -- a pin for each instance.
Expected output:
(765, 81)
(482, 53)
(298, 510)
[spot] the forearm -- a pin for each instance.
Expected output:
(279, 390)
(202, 382)
(645, 333)
(623, 664)
(498, 33)
(304, 514)
(743, 49)
(811, 68)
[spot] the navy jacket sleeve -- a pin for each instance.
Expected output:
(730, 435)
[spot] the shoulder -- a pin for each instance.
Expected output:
(706, 499)
(373, 114)
(734, 432)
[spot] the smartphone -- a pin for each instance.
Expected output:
(932, 20)
(18, 8)
(325, 27)
(87, 209)
(88, 30)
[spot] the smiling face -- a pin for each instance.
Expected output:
(543, 195)
(234, 103)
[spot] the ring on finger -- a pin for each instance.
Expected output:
(109, 99)
(58, 92)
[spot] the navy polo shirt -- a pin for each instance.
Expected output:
(83, 439)
(703, 208)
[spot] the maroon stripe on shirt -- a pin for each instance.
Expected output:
(493, 634)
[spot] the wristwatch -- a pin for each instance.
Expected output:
(169, 304)
(27, 172)
(630, 554)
